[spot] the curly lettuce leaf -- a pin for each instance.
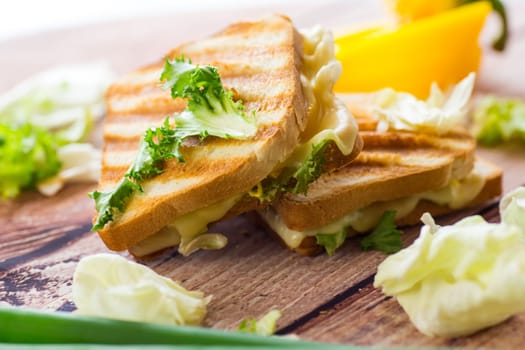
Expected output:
(293, 180)
(331, 242)
(157, 145)
(385, 237)
(311, 169)
(28, 154)
(498, 120)
(211, 111)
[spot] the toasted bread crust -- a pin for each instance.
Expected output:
(207, 176)
(334, 159)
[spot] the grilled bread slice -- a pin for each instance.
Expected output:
(260, 62)
(492, 188)
(395, 170)
(393, 164)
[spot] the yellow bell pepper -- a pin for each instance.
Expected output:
(411, 10)
(442, 48)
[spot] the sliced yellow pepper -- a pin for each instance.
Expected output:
(411, 10)
(442, 48)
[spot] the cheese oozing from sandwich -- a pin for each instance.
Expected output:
(327, 118)
(188, 231)
(457, 194)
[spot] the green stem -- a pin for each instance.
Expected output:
(26, 326)
(497, 5)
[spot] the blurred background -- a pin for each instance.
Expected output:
(31, 16)
(39, 34)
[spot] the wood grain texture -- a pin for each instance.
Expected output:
(323, 298)
(250, 276)
(368, 317)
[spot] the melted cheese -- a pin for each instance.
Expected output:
(290, 237)
(185, 229)
(457, 194)
(328, 118)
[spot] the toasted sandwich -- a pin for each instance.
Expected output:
(406, 171)
(282, 78)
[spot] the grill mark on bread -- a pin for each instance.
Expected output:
(149, 118)
(375, 139)
(160, 101)
(124, 135)
(262, 107)
(220, 148)
(230, 72)
(245, 38)
(113, 173)
(124, 126)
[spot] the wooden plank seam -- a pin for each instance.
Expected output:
(50, 247)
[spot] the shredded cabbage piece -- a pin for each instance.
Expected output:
(49, 111)
(108, 285)
(80, 163)
(65, 100)
(440, 113)
(455, 280)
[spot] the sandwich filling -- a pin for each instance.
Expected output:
(327, 116)
(327, 119)
(458, 193)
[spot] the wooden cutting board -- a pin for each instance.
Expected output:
(323, 298)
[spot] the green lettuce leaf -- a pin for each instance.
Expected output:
(211, 109)
(311, 169)
(293, 180)
(28, 154)
(385, 237)
(498, 120)
(157, 145)
(331, 242)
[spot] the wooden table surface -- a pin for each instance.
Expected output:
(323, 298)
